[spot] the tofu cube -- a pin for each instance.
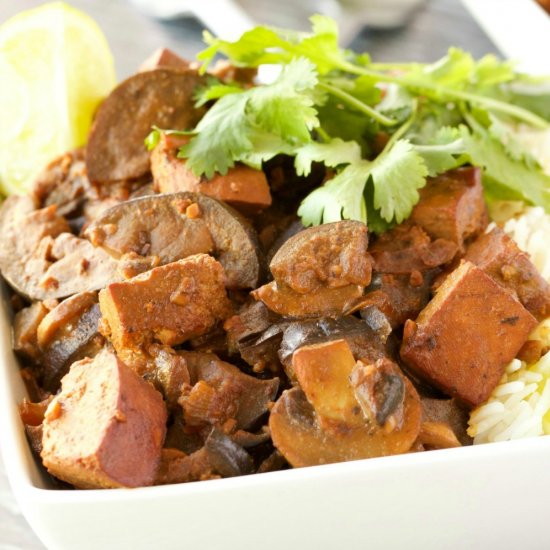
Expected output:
(465, 336)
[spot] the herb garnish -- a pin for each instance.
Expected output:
(328, 104)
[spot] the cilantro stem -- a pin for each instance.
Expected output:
(439, 90)
(322, 133)
(403, 129)
(359, 105)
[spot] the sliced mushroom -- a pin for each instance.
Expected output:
(243, 397)
(256, 334)
(323, 302)
(161, 97)
(324, 421)
(331, 255)
(75, 266)
(380, 391)
(156, 226)
(367, 341)
(23, 228)
(63, 182)
(68, 333)
(25, 328)
(174, 226)
(296, 433)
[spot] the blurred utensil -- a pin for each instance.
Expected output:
(229, 18)
(519, 28)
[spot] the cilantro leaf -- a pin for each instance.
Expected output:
(533, 186)
(444, 151)
(508, 137)
(339, 198)
(239, 120)
(215, 91)
(222, 135)
(334, 153)
(397, 175)
(285, 107)
(265, 45)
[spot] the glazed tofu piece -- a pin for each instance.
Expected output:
(323, 372)
(466, 335)
(244, 188)
(500, 257)
(106, 427)
(168, 304)
(165, 58)
(452, 207)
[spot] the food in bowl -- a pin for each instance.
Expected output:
(289, 274)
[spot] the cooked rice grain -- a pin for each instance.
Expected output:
(518, 407)
(531, 232)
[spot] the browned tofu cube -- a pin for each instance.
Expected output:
(465, 336)
(499, 256)
(323, 372)
(168, 304)
(105, 428)
(163, 57)
(452, 206)
(244, 188)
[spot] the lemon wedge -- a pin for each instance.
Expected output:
(55, 68)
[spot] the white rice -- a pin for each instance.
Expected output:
(520, 405)
(531, 231)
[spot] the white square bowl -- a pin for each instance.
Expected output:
(485, 497)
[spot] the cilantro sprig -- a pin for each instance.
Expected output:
(329, 105)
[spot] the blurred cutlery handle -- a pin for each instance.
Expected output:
(224, 18)
(503, 20)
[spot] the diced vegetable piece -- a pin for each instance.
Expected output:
(331, 255)
(161, 97)
(227, 391)
(174, 226)
(168, 304)
(452, 206)
(164, 57)
(407, 248)
(297, 434)
(125, 425)
(323, 372)
(466, 335)
(323, 302)
(499, 256)
(244, 188)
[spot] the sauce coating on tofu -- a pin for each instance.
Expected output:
(105, 428)
(168, 304)
(452, 207)
(466, 335)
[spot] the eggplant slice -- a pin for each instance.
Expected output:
(177, 225)
(163, 98)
